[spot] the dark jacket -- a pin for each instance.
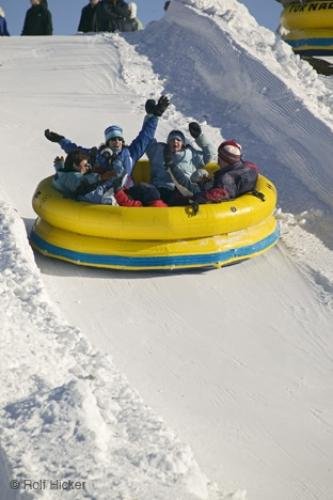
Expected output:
(38, 21)
(237, 179)
(3, 27)
(87, 19)
(111, 16)
(229, 182)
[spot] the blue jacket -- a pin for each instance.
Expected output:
(3, 27)
(88, 187)
(73, 184)
(127, 157)
(185, 162)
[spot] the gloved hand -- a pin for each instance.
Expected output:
(107, 153)
(150, 106)
(195, 129)
(157, 109)
(53, 136)
(59, 163)
(200, 176)
(162, 105)
(215, 195)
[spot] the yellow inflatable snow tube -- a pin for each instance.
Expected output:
(153, 238)
(310, 27)
(308, 15)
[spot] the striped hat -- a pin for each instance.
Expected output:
(113, 131)
(230, 151)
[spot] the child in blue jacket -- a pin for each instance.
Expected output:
(75, 178)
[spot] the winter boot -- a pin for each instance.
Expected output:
(125, 201)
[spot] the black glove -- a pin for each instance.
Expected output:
(162, 105)
(157, 109)
(53, 136)
(195, 129)
(192, 207)
(150, 107)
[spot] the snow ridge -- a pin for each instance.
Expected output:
(66, 412)
(235, 19)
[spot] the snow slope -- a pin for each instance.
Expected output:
(67, 414)
(237, 361)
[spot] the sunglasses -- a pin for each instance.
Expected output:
(116, 139)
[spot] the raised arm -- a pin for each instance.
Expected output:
(138, 147)
(207, 153)
(67, 145)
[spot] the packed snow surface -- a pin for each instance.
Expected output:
(210, 385)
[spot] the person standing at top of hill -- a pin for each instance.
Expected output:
(133, 23)
(87, 19)
(3, 23)
(38, 20)
(111, 15)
